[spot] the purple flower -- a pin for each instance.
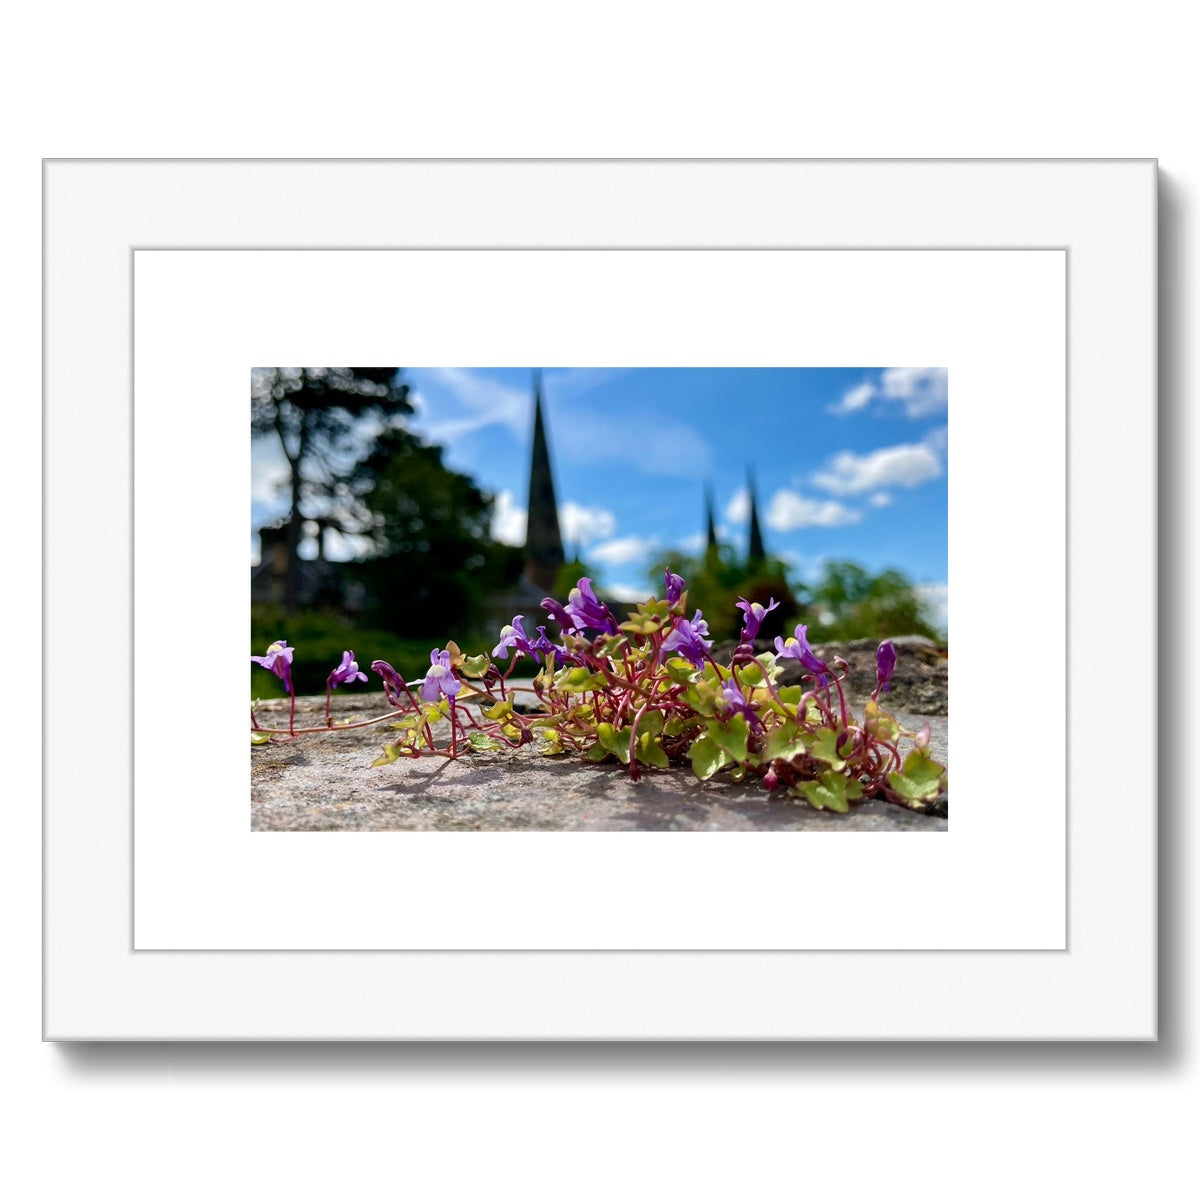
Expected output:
(513, 636)
(798, 648)
(542, 645)
(393, 684)
(587, 610)
(687, 639)
(733, 700)
(348, 672)
(675, 586)
(566, 621)
(754, 616)
(885, 664)
(439, 679)
(278, 660)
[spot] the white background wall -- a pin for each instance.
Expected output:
(697, 79)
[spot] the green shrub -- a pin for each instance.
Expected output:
(319, 637)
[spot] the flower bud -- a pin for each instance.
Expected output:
(885, 664)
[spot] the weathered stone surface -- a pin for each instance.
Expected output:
(323, 781)
(919, 683)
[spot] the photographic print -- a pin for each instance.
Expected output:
(596, 599)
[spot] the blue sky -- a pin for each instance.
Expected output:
(847, 462)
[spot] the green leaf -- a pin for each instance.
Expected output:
(731, 738)
(770, 667)
(823, 746)
(641, 624)
(481, 741)
(751, 675)
(650, 751)
(707, 757)
(475, 666)
(259, 737)
(830, 791)
(499, 710)
(674, 727)
(552, 743)
(680, 670)
(880, 724)
(651, 722)
(920, 779)
(702, 697)
(595, 753)
(578, 679)
(391, 752)
(784, 741)
(611, 646)
(614, 742)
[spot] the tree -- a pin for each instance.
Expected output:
(432, 560)
(853, 603)
(324, 418)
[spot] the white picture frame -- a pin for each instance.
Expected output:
(1098, 982)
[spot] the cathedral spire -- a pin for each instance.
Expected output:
(711, 544)
(543, 538)
(757, 552)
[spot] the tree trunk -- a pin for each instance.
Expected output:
(295, 528)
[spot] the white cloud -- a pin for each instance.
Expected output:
(921, 391)
(662, 446)
(573, 382)
(582, 526)
(508, 521)
(482, 402)
(738, 508)
(855, 398)
(789, 510)
(880, 499)
(627, 593)
(693, 543)
(936, 596)
(622, 550)
(906, 465)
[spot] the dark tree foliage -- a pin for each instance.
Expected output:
(433, 560)
(322, 417)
